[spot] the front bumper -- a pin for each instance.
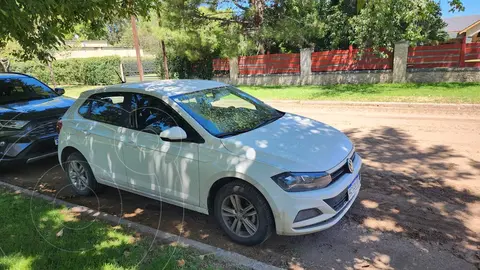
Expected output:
(330, 213)
(22, 150)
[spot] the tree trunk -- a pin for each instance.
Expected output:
(165, 61)
(136, 44)
(52, 75)
(5, 65)
(258, 11)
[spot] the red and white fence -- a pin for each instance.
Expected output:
(445, 55)
(221, 64)
(348, 60)
(269, 64)
(472, 55)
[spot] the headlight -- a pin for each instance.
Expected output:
(295, 181)
(14, 124)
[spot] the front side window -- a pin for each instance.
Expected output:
(21, 89)
(227, 111)
(150, 114)
(106, 108)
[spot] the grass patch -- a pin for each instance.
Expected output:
(37, 235)
(435, 93)
(430, 93)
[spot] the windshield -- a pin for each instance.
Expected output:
(227, 111)
(23, 89)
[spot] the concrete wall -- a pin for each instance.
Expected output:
(323, 78)
(443, 75)
(87, 52)
(412, 76)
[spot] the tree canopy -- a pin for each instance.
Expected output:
(40, 26)
(226, 27)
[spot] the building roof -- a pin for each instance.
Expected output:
(165, 87)
(457, 24)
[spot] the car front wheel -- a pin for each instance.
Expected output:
(243, 213)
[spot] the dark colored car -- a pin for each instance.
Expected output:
(29, 111)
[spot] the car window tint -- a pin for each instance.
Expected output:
(20, 89)
(106, 108)
(152, 115)
(83, 110)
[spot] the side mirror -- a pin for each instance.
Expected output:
(173, 134)
(59, 91)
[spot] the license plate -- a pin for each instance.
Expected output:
(354, 187)
(56, 141)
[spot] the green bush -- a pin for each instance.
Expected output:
(34, 68)
(101, 70)
(180, 67)
(91, 71)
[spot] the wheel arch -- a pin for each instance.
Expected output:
(225, 180)
(67, 151)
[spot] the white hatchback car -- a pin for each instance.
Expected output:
(211, 148)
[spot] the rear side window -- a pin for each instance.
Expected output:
(109, 108)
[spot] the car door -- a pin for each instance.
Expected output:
(103, 135)
(164, 169)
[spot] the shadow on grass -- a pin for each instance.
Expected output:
(38, 236)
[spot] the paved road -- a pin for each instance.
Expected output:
(418, 208)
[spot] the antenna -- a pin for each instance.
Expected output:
(120, 76)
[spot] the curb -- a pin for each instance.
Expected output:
(368, 103)
(226, 256)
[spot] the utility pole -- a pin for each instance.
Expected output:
(137, 47)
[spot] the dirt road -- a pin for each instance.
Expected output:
(419, 207)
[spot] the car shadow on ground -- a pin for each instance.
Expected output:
(405, 192)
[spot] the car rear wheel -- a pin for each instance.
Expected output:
(81, 176)
(243, 213)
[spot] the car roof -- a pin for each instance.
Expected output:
(9, 75)
(164, 87)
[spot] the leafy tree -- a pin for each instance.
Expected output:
(288, 25)
(9, 53)
(41, 26)
(383, 22)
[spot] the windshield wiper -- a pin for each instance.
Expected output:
(233, 133)
(236, 132)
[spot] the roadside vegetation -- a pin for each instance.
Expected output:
(37, 235)
(430, 93)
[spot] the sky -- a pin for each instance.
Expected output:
(472, 7)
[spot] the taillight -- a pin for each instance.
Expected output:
(59, 126)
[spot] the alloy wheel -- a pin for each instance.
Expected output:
(78, 175)
(240, 215)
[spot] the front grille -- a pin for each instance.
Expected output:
(340, 172)
(338, 201)
(43, 129)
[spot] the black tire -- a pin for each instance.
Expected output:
(266, 222)
(91, 184)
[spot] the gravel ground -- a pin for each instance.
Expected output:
(419, 206)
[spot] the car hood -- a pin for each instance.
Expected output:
(35, 109)
(293, 143)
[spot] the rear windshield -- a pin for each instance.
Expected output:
(23, 89)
